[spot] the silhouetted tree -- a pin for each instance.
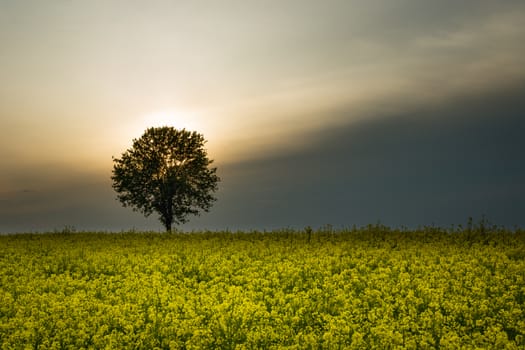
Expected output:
(167, 171)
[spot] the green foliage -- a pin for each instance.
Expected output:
(166, 171)
(374, 287)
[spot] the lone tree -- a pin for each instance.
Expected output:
(167, 171)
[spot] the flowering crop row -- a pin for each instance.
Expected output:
(356, 289)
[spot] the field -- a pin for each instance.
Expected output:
(372, 287)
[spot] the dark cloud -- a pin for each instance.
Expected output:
(437, 165)
(80, 202)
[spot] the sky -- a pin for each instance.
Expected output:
(340, 113)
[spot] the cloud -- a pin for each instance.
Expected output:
(432, 165)
(400, 56)
(66, 197)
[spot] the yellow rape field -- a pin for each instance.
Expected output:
(366, 288)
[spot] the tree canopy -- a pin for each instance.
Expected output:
(166, 171)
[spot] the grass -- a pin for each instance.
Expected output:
(370, 287)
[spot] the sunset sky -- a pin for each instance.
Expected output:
(347, 112)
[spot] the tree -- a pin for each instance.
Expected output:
(166, 171)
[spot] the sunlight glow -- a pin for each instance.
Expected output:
(176, 119)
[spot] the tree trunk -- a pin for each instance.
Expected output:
(167, 214)
(168, 224)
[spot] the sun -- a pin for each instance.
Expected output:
(176, 119)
